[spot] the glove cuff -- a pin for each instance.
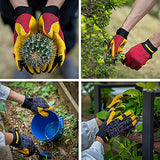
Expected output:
(148, 46)
(101, 133)
(22, 9)
(28, 102)
(122, 32)
(51, 9)
(16, 138)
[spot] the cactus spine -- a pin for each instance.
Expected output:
(37, 50)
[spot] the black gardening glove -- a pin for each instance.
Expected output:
(37, 105)
(24, 144)
(113, 127)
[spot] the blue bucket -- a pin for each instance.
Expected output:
(47, 128)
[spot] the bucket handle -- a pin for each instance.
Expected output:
(61, 123)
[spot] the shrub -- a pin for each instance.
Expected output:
(94, 38)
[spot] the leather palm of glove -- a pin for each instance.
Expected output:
(48, 23)
(138, 55)
(114, 127)
(37, 105)
(25, 25)
(24, 144)
(116, 45)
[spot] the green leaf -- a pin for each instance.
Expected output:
(1, 127)
(24, 119)
(139, 127)
(141, 84)
(69, 117)
(133, 92)
(102, 114)
(51, 103)
(158, 133)
(151, 85)
(71, 135)
(108, 155)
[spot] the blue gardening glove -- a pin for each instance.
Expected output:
(24, 144)
(37, 105)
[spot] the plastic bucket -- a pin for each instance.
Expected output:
(47, 128)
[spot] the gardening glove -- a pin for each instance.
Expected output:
(115, 102)
(114, 127)
(37, 105)
(116, 45)
(25, 25)
(24, 144)
(138, 55)
(49, 24)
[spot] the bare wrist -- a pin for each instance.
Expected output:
(57, 3)
(18, 3)
(99, 139)
(99, 122)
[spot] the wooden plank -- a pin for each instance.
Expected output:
(68, 96)
(137, 137)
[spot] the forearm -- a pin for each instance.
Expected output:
(139, 10)
(8, 138)
(57, 3)
(17, 3)
(155, 40)
(16, 97)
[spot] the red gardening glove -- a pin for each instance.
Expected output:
(48, 23)
(118, 42)
(25, 25)
(138, 55)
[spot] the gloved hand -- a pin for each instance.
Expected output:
(115, 102)
(49, 24)
(138, 55)
(118, 42)
(25, 25)
(24, 144)
(37, 105)
(114, 127)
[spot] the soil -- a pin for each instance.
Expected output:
(73, 89)
(65, 148)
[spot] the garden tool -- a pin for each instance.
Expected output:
(138, 55)
(48, 24)
(113, 127)
(25, 25)
(43, 154)
(37, 105)
(116, 45)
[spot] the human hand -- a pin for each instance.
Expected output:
(138, 55)
(24, 144)
(114, 127)
(37, 105)
(25, 25)
(116, 45)
(49, 24)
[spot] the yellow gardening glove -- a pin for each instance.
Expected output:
(49, 24)
(25, 25)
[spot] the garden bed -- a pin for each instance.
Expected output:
(19, 118)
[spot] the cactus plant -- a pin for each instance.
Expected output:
(37, 50)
